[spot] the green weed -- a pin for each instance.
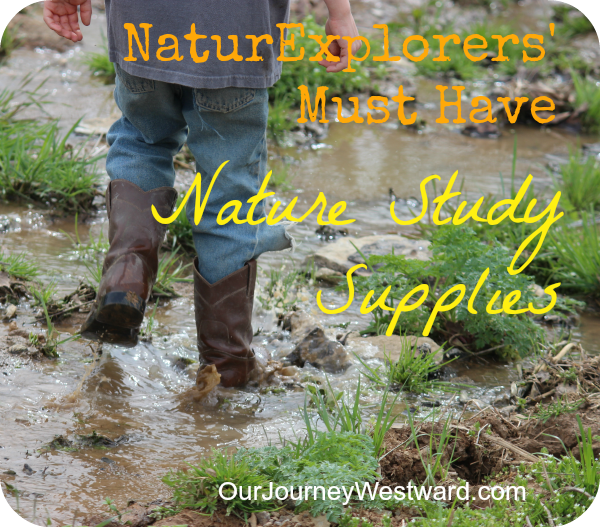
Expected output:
(280, 178)
(556, 409)
(435, 463)
(509, 235)
(198, 486)
(570, 22)
(50, 343)
(170, 270)
(95, 273)
(458, 258)
(587, 95)
(36, 164)
(283, 289)
(9, 42)
(343, 412)
(180, 234)
(18, 265)
(100, 65)
(413, 372)
(577, 253)
(567, 488)
(579, 183)
(93, 248)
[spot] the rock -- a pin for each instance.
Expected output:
(28, 470)
(10, 473)
(11, 311)
(507, 410)
(136, 516)
(328, 233)
(392, 346)
(298, 322)
(288, 371)
(262, 517)
(564, 388)
(501, 400)
(336, 256)
(482, 131)
(97, 519)
(462, 379)
(538, 290)
(464, 397)
(316, 349)
(108, 460)
(329, 276)
(16, 349)
(305, 519)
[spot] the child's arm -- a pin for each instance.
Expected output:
(61, 16)
(341, 23)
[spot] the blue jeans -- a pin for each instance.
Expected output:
(227, 124)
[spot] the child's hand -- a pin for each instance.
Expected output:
(61, 16)
(343, 27)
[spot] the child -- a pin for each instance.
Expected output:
(220, 109)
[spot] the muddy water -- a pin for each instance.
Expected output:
(136, 392)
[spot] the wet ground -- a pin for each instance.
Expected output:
(133, 394)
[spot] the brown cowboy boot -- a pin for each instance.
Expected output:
(131, 264)
(224, 323)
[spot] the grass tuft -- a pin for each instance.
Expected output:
(36, 164)
(579, 184)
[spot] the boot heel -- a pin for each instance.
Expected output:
(120, 309)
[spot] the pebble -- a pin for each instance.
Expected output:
(28, 470)
(17, 348)
(11, 311)
(262, 518)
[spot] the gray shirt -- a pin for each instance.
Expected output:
(211, 17)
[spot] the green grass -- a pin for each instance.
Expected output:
(556, 409)
(198, 487)
(9, 42)
(49, 343)
(579, 183)
(280, 178)
(412, 372)
(459, 259)
(570, 22)
(577, 252)
(587, 95)
(343, 412)
(284, 288)
(565, 489)
(37, 164)
(180, 234)
(170, 271)
(432, 457)
(95, 246)
(100, 65)
(18, 265)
